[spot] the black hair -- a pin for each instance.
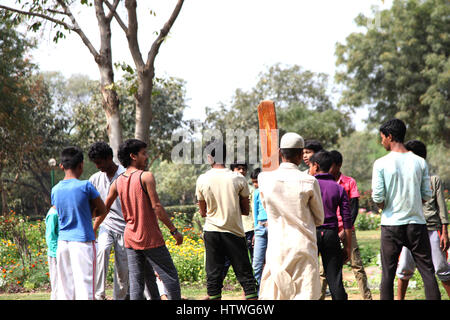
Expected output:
(323, 158)
(337, 157)
(255, 173)
(396, 128)
(314, 145)
(221, 155)
(417, 147)
(236, 165)
(129, 146)
(71, 157)
(290, 153)
(100, 150)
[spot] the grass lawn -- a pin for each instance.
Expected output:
(368, 241)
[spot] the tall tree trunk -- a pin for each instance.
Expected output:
(143, 99)
(110, 100)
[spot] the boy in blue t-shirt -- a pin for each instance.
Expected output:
(51, 237)
(74, 199)
(260, 221)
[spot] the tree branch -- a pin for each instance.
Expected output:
(39, 15)
(113, 13)
(162, 34)
(77, 28)
(133, 43)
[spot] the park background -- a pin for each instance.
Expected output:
(335, 69)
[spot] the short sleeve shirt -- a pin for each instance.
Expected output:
(221, 189)
(114, 220)
(72, 201)
(350, 186)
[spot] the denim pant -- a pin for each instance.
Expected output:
(142, 265)
(259, 251)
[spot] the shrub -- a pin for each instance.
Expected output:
(367, 220)
(23, 255)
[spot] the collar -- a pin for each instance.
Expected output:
(288, 165)
(324, 176)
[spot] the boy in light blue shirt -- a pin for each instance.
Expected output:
(400, 183)
(260, 220)
(51, 238)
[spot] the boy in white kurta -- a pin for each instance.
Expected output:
(293, 203)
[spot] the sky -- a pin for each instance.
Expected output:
(220, 46)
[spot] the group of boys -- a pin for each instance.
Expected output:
(313, 212)
(309, 213)
(223, 200)
(127, 194)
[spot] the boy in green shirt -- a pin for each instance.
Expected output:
(51, 237)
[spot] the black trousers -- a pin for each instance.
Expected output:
(219, 245)
(415, 238)
(329, 246)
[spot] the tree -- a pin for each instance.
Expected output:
(57, 12)
(15, 103)
(301, 99)
(169, 104)
(401, 68)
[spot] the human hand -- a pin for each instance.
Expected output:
(443, 242)
(178, 238)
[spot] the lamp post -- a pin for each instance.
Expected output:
(52, 164)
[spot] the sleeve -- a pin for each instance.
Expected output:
(425, 187)
(51, 228)
(344, 208)
(353, 192)
(440, 199)
(244, 191)
(354, 209)
(198, 191)
(92, 191)
(255, 206)
(378, 190)
(316, 205)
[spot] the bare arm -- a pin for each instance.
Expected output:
(202, 207)
(149, 183)
(245, 205)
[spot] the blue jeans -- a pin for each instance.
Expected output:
(259, 251)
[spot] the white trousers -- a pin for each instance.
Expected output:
(105, 240)
(53, 276)
(76, 269)
(407, 265)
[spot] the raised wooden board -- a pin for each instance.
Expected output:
(268, 133)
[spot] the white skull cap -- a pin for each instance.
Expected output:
(291, 140)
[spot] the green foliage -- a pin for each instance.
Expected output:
(359, 151)
(367, 220)
(175, 182)
(401, 68)
(23, 259)
(302, 103)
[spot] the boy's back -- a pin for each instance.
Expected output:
(334, 197)
(221, 188)
(72, 201)
(401, 181)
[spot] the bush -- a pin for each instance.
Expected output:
(23, 253)
(367, 220)
(184, 213)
